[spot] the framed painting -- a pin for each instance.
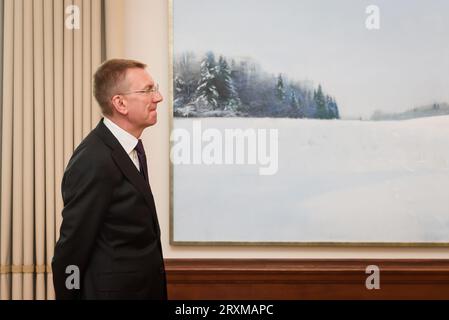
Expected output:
(304, 122)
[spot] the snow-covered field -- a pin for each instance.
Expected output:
(338, 181)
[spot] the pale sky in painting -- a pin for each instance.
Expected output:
(402, 65)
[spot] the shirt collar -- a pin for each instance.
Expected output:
(127, 140)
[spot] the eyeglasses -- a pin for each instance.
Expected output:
(148, 91)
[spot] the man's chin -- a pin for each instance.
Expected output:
(152, 121)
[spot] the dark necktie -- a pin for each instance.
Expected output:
(142, 160)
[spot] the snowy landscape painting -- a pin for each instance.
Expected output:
(344, 104)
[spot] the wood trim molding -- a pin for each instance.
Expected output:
(235, 279)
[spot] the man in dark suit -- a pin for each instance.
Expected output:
(110, 234)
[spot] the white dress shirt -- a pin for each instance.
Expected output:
(127, 140)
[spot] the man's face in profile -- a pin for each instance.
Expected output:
(141, 105)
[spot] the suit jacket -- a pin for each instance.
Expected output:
(110, 230)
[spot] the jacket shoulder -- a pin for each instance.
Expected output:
(92, 154)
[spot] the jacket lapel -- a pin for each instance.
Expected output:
(123, 161)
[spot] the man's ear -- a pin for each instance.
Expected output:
(119, 104)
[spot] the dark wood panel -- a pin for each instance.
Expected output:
(305, 279)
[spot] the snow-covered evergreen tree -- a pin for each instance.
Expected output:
(280, 90)
(293, 100)
(206, 91)
(331, 108)
(295, 105)
(228, 97)
(321, 111)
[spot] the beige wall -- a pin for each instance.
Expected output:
(146, 38)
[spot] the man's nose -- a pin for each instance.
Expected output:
(157, 97)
